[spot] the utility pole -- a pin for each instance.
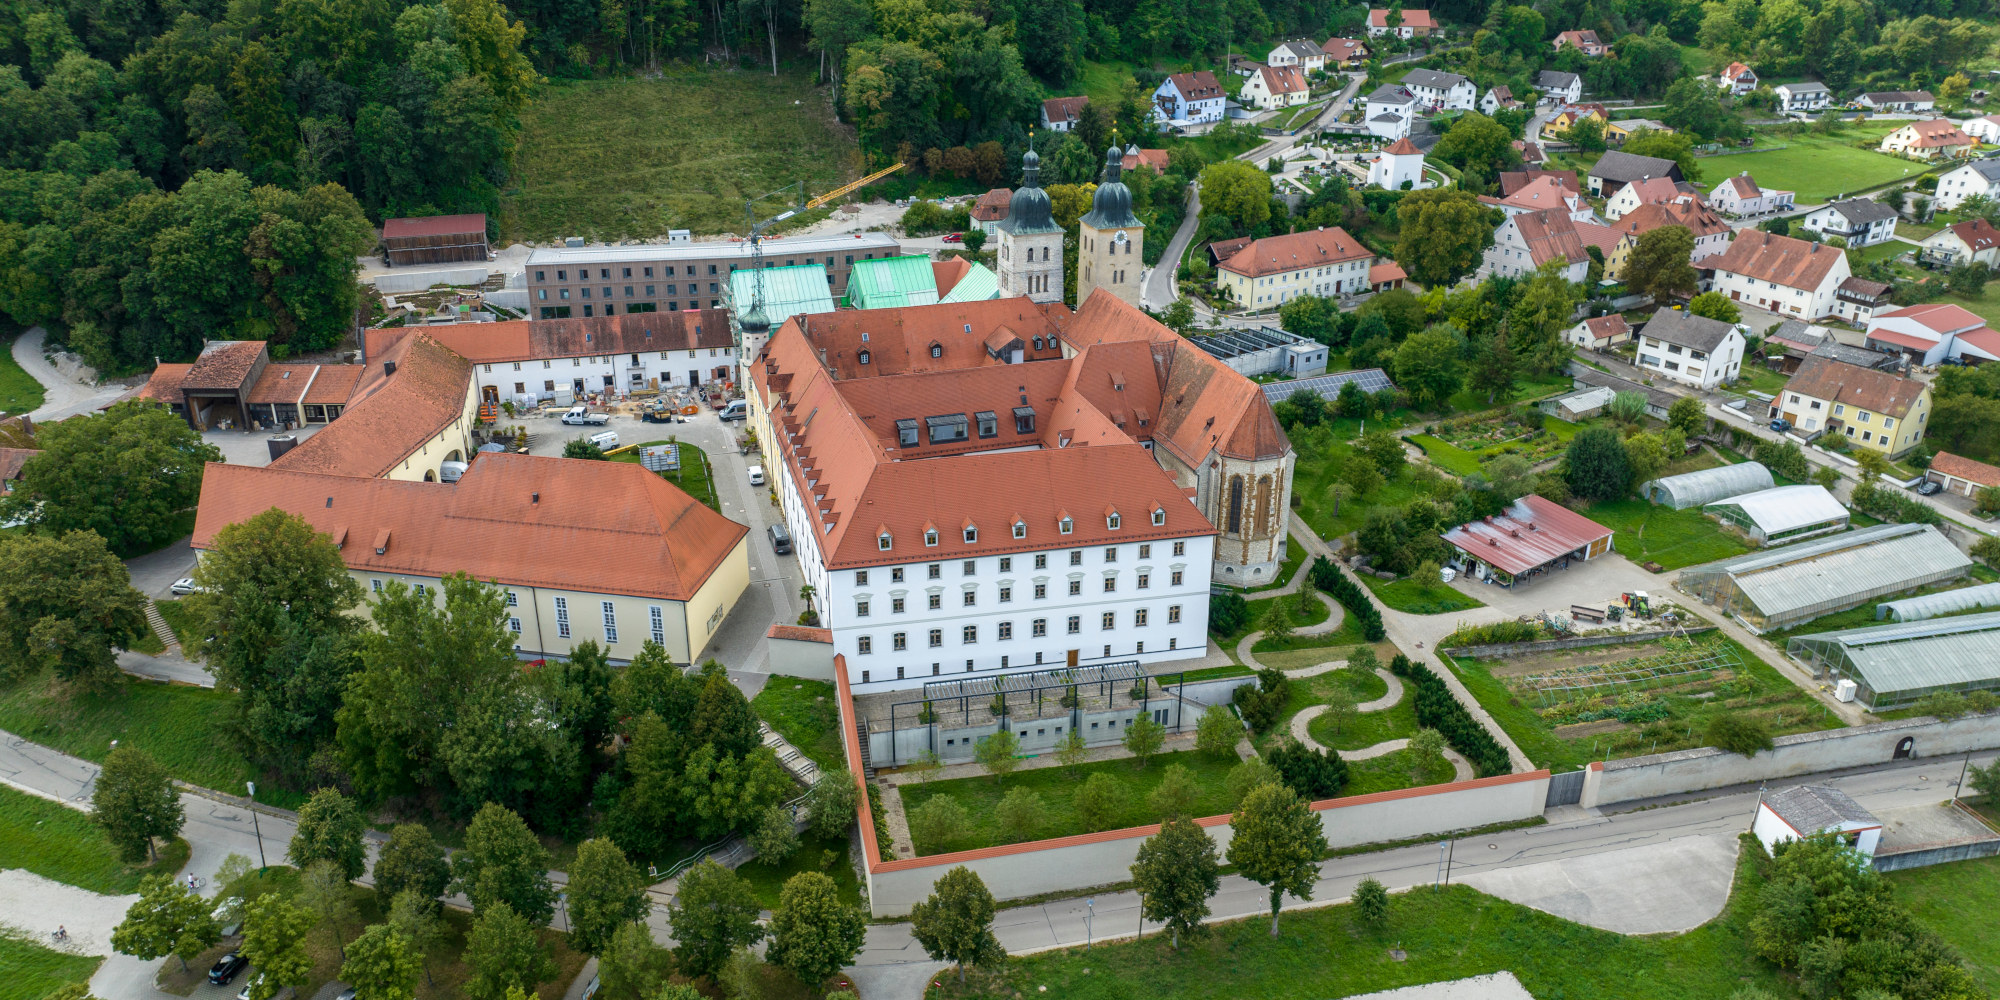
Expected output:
(254, 825)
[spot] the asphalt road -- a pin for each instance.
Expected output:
(61, 396)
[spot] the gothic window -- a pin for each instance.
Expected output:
(1235, 505)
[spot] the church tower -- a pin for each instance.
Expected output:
(1031, 244)
(1110, 239)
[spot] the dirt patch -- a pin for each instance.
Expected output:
(1561, 659)
(1598, 728)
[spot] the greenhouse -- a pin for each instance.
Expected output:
(1895, 665)
(1910, 609)
(1800, 582)
(1782, 514)
(1692, 489)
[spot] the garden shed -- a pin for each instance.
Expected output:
(1911, 609)
(1895, 665)
(1798, 583)
(1704, 486)
(1782, 514)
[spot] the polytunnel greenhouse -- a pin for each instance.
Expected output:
(1910, 609)
(1894, 665)
(1692, 489)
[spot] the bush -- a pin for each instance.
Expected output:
(1217, 732)
(1783, 458)
(1100, 802)
(940, 819)
(1312, 772)
(1228, 614)
(1890, 504)
(1738, 734)
(1341, 587)
(1494, 634)
(1261, 704)
(1256, 771)
(1371, 902)
(1438, 709)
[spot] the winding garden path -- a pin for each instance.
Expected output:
(1302, 722)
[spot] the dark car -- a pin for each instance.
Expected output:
(1781, 426)
(226, 968)
(1930, 487)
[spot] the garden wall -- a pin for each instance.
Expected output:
(1610, 782)
(397, 283)
(810, 659)
(1505, 649)
(955, 743)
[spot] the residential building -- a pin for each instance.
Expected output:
(1808, 96)
(530, 362)
(1531, 537)
(1189, 99)
(1030, 255)
(1415, 23)
(1689, 349)
(1600, 332)
(951, 529)
(1441, 91)
(1274, 87)
(1645, 191)
(1544, 194)
(1898, 100)
(1525, 242)
(1156, 160)
(1932, 333)
(1345, 52)
(1389, 110)
(1985, 128)
(1859, 221)
(1711, 234)
(1399, 168)
(1780, 274)
(1737, 79)
(1386, 276)
(435, 239)
(1059, 114)
(1497, 98)
(1791, 342)
(1616, 169)
(990, 209)
(1583, 41)
(1617, 133)
(1739, 197)
(1979, 177)
(1961, 475)
(11, 462)
(1531, 152)
(1514, 180)
(1110, 239)
(577, 282)
(1937, 139)
(1299, 53)
(1553, 128)
(1271, 271)
(1857, 300)
(1973, 241)
(1558, 87)
(1874, 409)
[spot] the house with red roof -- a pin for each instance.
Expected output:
(1737, 79)
(1936, 139)
(1739, 197)
(1933, 332)
(1060, 114)
(1974, 241)
(1531, 537)
(1348, 52)
(1583, 41)
(1415, 23)
(1961, 475)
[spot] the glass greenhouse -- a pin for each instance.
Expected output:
(1782, 514)
(1894, 665)
(1803, 581)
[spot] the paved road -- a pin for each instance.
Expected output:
(62, 396)
(1161, 285)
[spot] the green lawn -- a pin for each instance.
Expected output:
(1057, 786)
(1820, 168)
(1366, 729)
(33, 972)
(1392, 771)
(1648, 532)
(1947, 897)
(60, 843)
(1103, 82)
(767, 879)
(1451, 934)
(803, 712)
(185, 728)
(696, 476)
(1315, 612)
(1669, 715)
(19, 392)
(1883, 251)
(1294, 555)
(1446, 456)
(1419, 597)
(1763, 379)
(177, 618)
(619, 158)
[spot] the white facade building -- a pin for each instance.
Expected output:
(1739, 197)
(1274, 87)
(1389, 110)
(1791, 277)
(1189, 99)
(1981, 177)
(1558, 87)
(1859, 221)
(1689, 349)
(1305, 55)
(1399, 165)
(1809, 96)
(1441, 91)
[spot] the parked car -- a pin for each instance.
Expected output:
(756, 475)
(1929, 487)
(1781, 426)
(582, 415)
(226, 968)
(183, 587)
(781, 540)
(953, 238)
(736, 410)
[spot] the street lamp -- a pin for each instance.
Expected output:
(1089, 911)
(254, 825)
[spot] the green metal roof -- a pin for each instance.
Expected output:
(788, 291)
(978, 285)
(888, 282)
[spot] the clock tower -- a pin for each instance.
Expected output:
(1110, 239)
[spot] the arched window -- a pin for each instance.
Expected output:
(1235, 514)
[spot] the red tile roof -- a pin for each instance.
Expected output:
(1737, 69)
(945, 274)
(1532, 532)
(223, 364)
(165, 383)
(1960, 467)
(548, 339)
(1606, 327)
(992, 206)
(1936, 133)
(1344, 49)
(1942, 317)
(1550, 235)
(1534, 196)
(1064, 109)
(1782, 260)
(1292, 251)
(1514, 180)
(1197, 86)
(595, 527)
(11, 460)
(1154, 159)
(314, 384)
(1978, 235)
(1910, 341)
(1379, 273)
(899, 340)
(435, 225)
(389, 416)
(1379, 18)
(1285, 80)
(1699, 219)
(1868, 388)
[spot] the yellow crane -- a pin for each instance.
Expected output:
(849, 188)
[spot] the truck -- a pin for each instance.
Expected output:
(581, 415)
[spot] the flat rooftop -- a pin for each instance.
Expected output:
(670, 252)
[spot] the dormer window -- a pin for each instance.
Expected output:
(864, 357)
(1065, 525)
(1024, 420)
(971, 534)
(947, 429)
(1159, 516)
(1020, 529)
(989, 423)
(906, 433)
(931, 537)
(1112, 520)
(937, 350)
(882, 541)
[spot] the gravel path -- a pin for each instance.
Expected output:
(35, 905)
(1302, 722)
(62, 396)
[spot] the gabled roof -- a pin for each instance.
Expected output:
(1433, 79)
(1292, 251)
(1390, 93)
(1628, 167)
(223, 364)
(1868, 388)
(1282, 79)
(1379, 18)
(977, 284)
(435, 225)
(1603, 327)
(11, 461)
(582, 337)
(1977, 234)
(1550, 79)
(1741, 185)
(1343, 48)
(1985, 167)
(1938, 317)
(1157, 160)
(899, 340)
(1199, 85)
(1737, 69)
(1301, 48)
(1961, 467)
(1699, 219)
(1935, 133)
(1782, 260)
(1810, 809)
(1897, 96)
(310, 384)
(1064, 109)
(992, 206)
(1649, 190)
(390, 415)
(1541, 193)
(1390, 271)
(165, 383)
(1550, 235)
(1803, 87)
(1514, 180)
(1686, 329)
(617, 528)
(1864, 288)
(1533, 531)
(1402, 147)
(1585, 37)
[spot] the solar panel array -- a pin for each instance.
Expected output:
(1328, 386)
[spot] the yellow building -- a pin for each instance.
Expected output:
(1877, 410)
(1269, 272)
(1110, 239)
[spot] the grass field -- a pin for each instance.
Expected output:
(1452, 934)
(614, 159)
(19, 392)
(1057, 786)
(1663, 715)
(1419, 597)
(803, 712)
(1944, 895)
(1366, 729)
(1648, 532)
(696, 477)
(33, 972)
(1818, 167)
(767, 879)
(1315, 613)
(60, 843)
(184, 728)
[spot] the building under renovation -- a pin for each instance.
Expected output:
(1265, 351)
(1800, 582)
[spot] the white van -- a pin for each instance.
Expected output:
(756, 475)
(737, 409)
(605, 440)
(451, 472)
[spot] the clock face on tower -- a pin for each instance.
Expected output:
(1118, 237)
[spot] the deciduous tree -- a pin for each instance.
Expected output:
(503, 863)
(1143, 738)
(166, 919)
(1217, 733)
(411, 861)
(1659, 264)
(1276, 842)
(136, 804)
(1099, 802)
(814, 934)
(1021, 813)
(330, 830)
(1176, 794)
(775, 837)
(1599, 468)
(257, 580)
(834, 799)
(382, 964)
(1717, 306)
(956, 923)
(274, 942)
(633, 967)
(713, 913)
(127, 474)
(1236, 191)
(1444, 231)
(1176, 874)
(503, 953)
(66, 606)
(605, 893)
(1428, 366)
(1371, 902)
(997, 753)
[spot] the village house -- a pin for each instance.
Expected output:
(1399, 168)
(1973, 241)
(1985, 128)
(1583, 41)
(1979, 177)
(1616, 169)
(1791, 342)
(1389, 111)
(1188, 99)
(1514, 180)
(1299, 54)
(1546, 193)
(1269, 272)
(1525, 242)
(1558, 87)
(1415, 23)
(1791, 277)
(1878, 410)
(1897, 100)
(1497, 98)
(1441, 91)
(1600, 333)
(1808, 96)
(1857, 300)
(1737, 79)
(991, 208)
(1857, 220)
(1059, 114)
(1693, 350)
(1553, 128)
(1156, 160)
(1645, 191)
(1931, 333)
(1937, 139)
(1711, 234)
(1274, 87)
(1739, 197)
(1345, 52)
(1617, 133)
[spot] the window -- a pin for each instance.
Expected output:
(1076, 558)
(946, 429)
(1006, 564)
(1075, 624)
(1006, 631)
(937, 637)
(1006, 594)
(1111, 554)
(896, 574)
(896, 605)
(1041, 591)
(514, 625)
(1075, 588)
(378, 585)
(562, 617)
(906, 433)
(1110, 584)
(900, 641)
(863, 357)
(610, 623)
(1110, 619)
(1173, 615)
(1176, 580)
(971, 536)
(936, 570)
(1180, 548)
(1040, 628)
(931, 537)
(1066, 526)
(861, 578)
(1139, 617)
(882, 541)
(937, 602)
(1042, 560)
(860, 609)
(969, 635)
(1020, 529)
(864, 645)
(659, 622)
(971, 598)
(937, 350)
(1864, 416)
(1145, 552)
(513, 599)
(1145, 580)
(1024, 418)
(1112, 521)
(1888, 421)
(1159, 516)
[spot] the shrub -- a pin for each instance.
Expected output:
(1217, 733)
(1783, 458)
(1021, 812)
(939, 820)
(1262, 703)
(1228, 614)
(1371, 902)
(1891, 504)
(1313, 772)
(1341, 587)
(1438, 709)
(1738, 734)
(1100, 802)
(1256, 771)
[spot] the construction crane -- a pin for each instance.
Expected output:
(756, 316)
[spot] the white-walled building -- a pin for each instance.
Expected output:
(1389, 110)
(1737, 79)
(1689, 349)
(1440, 91)
(1558, 87)
(1525, 242)
(1399, 168)
(1265, 274)
(1274, 87)
(1739, 197)
(1030, 252)
(1930, 333)
(1810, 95)
(1936, 139)
(1298, 53)
(1985, 128)
(1897, 100)
(1803, 810)
(1859, 221)
(1059, 114)
(1415, 23)
(1981, 177)
(1974, 241)
(1497, 98)
(1791, 277)
(1188, 99)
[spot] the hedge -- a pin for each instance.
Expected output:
(1328, 577)
(1438, 709)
